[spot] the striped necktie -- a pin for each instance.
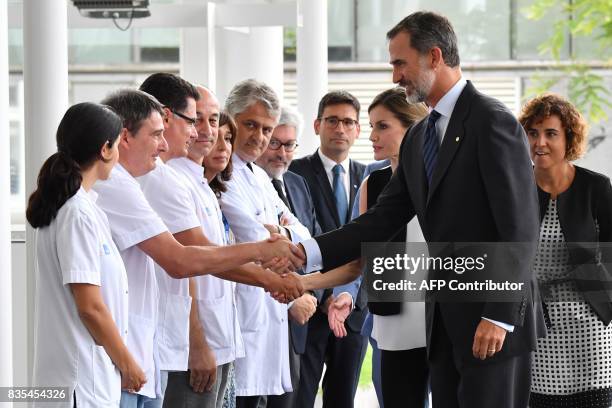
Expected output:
(431, 145)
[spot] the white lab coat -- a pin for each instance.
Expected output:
(77, 247)
(132, 221)
(250, 202)
(172, 201)
(214, 296)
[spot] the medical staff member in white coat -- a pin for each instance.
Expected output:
(253, 209)
(81, 298)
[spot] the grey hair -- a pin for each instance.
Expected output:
(248, 92)
(291, 117)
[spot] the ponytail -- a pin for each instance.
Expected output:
(59, 179)
(82, 132)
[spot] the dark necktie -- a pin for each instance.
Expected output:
(431, 145)
(278, 186)
(250, 166)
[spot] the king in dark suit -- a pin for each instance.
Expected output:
(465, 173)
(333, 180)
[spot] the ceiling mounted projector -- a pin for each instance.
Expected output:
(113, 8)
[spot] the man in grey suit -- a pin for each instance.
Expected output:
(294, 192)
(465, 173)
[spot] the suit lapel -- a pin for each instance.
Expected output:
(326, 190)
(452, 138)
(289, 191)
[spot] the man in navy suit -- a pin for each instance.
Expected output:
(333, 180)
(293, 190)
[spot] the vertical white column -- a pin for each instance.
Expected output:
(197, 51)
(311, 66)
(6, 287)
(45, 75)
(254, 52)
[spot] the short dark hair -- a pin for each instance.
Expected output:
(428, 30)
(574, 125)
(171, 90)
(338, 98)
(134, 106)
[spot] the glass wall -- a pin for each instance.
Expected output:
(482, 26)
(487, 30)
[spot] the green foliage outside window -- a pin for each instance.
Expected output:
(582, 18)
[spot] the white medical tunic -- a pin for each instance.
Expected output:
(250, 202)
(77, 247)
(214, 296)
(168, 195)
(132, 221)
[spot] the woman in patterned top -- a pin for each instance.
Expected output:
(572, 366)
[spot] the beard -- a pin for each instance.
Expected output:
(419, 90)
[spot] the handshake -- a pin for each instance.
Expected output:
(280, 256)
(283, 258)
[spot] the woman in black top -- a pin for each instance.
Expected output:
(399, 329)
(572, 366)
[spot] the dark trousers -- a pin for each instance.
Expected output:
(342, 358)
(404, 378)
(179, 394)
(457, 382)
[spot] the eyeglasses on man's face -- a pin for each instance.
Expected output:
(276, 144)
(190, 121)
(334, 121)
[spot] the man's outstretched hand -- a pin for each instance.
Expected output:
(280, 247)
(338, 310)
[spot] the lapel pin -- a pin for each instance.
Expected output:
(456, 139)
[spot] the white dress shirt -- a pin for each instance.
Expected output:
(250, 202)
(171, 199)
(77, 247)
(132, 221)
(214, 296)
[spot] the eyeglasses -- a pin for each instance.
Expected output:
(190, 121)
(289, 146)
(334, 121)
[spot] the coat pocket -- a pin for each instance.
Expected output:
(215, 316)
(105, 376)
(175, 325)
(251, 305)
